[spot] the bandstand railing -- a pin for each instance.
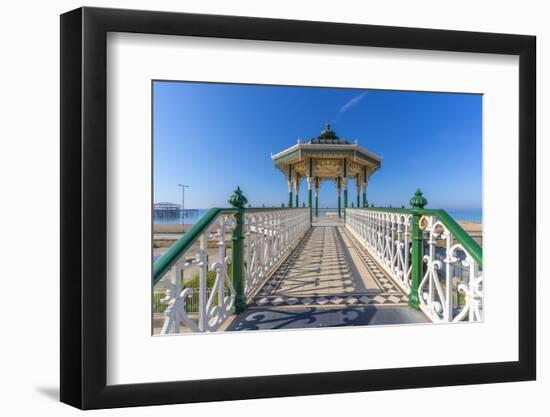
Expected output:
(434, 261)
(247, 244)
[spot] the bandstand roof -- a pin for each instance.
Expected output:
(327, 153)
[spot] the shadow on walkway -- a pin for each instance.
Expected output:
(269, 319)
(327, 281)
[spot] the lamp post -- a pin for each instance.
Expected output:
(183, 187)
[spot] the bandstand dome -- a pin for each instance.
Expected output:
(327, 157)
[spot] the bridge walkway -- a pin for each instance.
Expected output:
(328, 280)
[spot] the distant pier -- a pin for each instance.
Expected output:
(172, 211)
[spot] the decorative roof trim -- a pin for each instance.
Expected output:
(305, 147)
(288, 150)
(290, 155)
(350, 152)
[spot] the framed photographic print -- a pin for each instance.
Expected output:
(259, 208)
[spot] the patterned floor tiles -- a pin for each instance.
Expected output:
(329, 269)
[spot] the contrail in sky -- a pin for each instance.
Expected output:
(349, 104)
(352, 102)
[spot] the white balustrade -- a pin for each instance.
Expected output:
(214, 304)
(270, 235)
(439, 288)
(387, 236)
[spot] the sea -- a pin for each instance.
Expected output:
(475, 216)
(191, 218)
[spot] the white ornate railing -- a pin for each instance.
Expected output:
(387, 236)
(270, 235)
(191, 305)
(438, 282)
(214, 309)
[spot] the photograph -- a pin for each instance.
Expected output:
(275, 209)
(283, 207)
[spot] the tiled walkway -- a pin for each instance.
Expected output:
(329, 269)
(329, 280)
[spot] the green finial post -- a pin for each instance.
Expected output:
(418, 202)
(238, 201)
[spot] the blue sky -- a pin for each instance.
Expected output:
(214, 137)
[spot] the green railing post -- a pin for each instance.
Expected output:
(417, 202)
(238, 201)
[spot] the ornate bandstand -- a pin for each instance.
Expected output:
(327, 157)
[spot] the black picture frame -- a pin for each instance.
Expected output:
(84, 207)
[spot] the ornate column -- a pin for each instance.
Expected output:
(297, 189)
(317, 196)
(358, 188)
(289, 186)
(310, 183)
(345, 182)
(365, 202)
(339, 188)
(345, 185)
